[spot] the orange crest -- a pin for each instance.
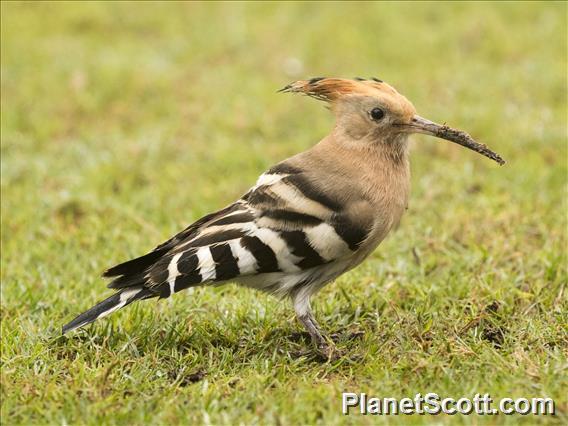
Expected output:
(331, 89)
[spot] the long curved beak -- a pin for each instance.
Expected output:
(421, 125)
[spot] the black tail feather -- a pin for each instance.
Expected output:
(127, 281)
(116, 301)
(135, 266)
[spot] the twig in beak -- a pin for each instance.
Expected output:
(421, 125)
(464, 139)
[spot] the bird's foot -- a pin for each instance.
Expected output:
(323, 350)
(328, 352)
(325, 347)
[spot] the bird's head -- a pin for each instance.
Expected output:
(373, 111)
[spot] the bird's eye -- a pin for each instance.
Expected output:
(377, 114)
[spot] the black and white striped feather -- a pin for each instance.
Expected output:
(285, 233)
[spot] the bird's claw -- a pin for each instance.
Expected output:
(329, 352)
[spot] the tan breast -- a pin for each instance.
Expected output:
(368, 180)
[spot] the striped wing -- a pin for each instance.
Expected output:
(285, 223)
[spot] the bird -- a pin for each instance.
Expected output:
(307, 220)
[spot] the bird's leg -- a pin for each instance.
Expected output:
(306, 317)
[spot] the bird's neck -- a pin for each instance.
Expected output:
(377, 170)
(370, 154)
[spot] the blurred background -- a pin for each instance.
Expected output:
(124, 122)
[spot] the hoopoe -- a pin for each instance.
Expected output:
(307, 220)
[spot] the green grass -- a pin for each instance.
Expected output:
(123, 123)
